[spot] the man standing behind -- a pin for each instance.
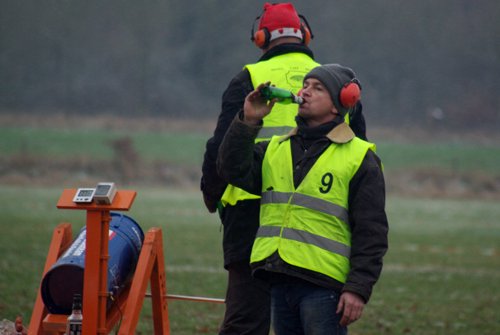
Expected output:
(283, 37)
(323, 228)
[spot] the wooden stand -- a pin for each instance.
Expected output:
(150, 268)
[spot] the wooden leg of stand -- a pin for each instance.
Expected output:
(149, 259)
(159, 290)
(61, 240)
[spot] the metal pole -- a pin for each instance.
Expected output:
(190, 298)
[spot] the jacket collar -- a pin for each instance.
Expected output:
(341, 134)
(281, 49)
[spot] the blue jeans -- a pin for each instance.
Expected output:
(302, 308)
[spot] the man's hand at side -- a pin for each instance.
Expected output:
(351, 306)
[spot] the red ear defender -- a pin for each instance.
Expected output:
(261, 38)
(306, 35)
(350, 94)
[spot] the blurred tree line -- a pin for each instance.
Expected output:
(419, 61)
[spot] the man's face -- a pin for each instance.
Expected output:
(318, 106)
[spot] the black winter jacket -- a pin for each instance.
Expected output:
(240, 160)
(242, 220)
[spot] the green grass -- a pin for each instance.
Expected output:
(451, 156)
(192, 244)
(186, 148)
(441, 274)
(175, 146)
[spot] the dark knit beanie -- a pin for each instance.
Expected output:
(334, 77)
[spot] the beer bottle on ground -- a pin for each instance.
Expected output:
(74, 324)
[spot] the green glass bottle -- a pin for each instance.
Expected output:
(282, 95)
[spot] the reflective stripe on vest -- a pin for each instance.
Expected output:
(305, 237)
(303, 200)
(308, 225)
(284, 71)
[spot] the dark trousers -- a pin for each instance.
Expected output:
(248, 303)
(302, 308)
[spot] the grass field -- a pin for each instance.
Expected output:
(441, 274)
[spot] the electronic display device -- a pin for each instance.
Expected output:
(104, 193)
(84, 195)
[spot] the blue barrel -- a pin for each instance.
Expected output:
(65, 277)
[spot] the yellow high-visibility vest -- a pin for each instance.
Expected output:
(284, 71)
(309, 225)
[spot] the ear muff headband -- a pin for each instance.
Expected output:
(350, 94)
(307, 34)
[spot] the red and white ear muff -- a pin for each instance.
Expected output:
(350, 94)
